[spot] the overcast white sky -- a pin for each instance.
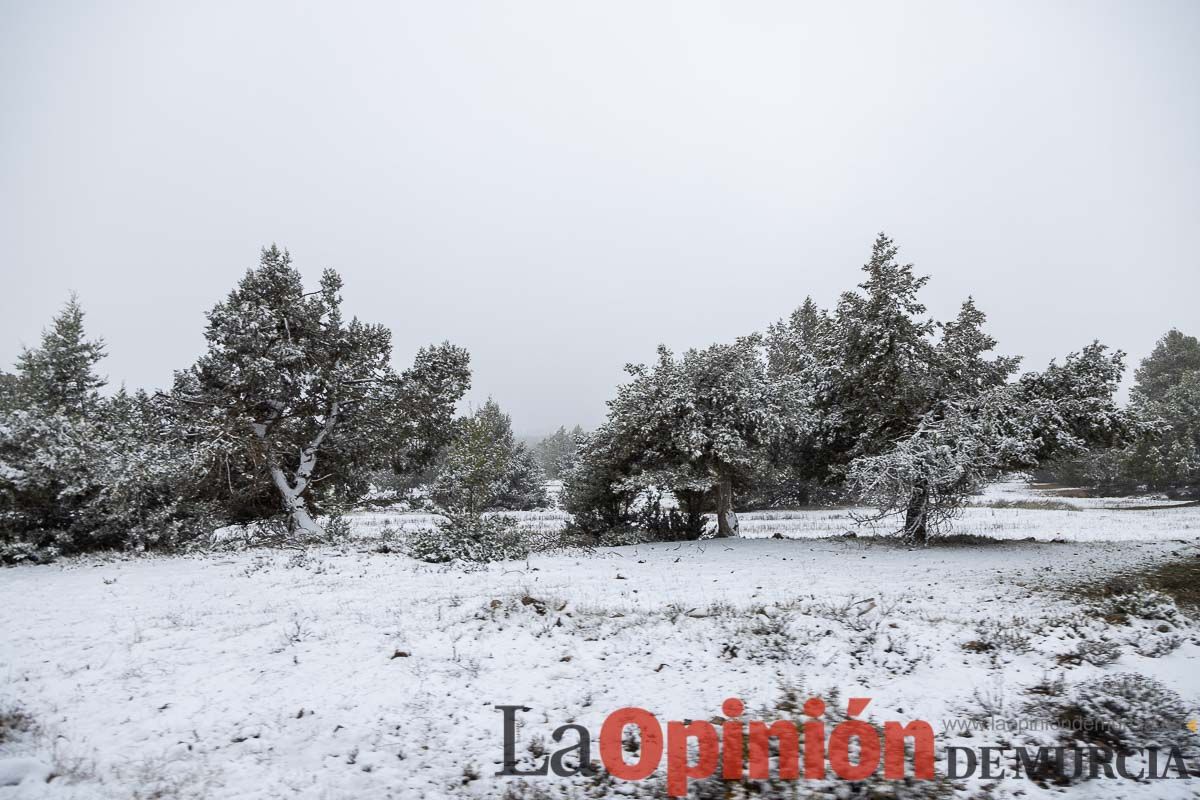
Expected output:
(559, 186)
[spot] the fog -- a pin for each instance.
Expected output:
(558, 187)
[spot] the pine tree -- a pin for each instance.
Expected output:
(79, 471)
(485, 468)
(961, 366)
(967, 440)
(287, 385)
(59, 376)
(878, 370)
(556, 450)
(50, 441)
(524, 484)
(597, 490)
(876, 359)
(791, 343)
(704, 420)
(47, 478)
(146, 471)
(1167, 397)
(1175, 355)
(476, 461)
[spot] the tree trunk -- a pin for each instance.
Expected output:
(727, 522)
(916, 517)
(292, 490)
(293, 502)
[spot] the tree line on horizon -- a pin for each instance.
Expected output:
(293, 413)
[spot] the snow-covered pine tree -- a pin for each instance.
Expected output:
(485, 468)
(304, 398)
(877, 370)
(1167, 394)
(875, 360)
(47, 479)
(704, 419)
(797, 466)
(146, 471)
(961, 373)
(595, 488)
(961, 365)
(1169, 459)
(967, 440)
(524, 487)
(59, 376)
(953, 452)
(9, 391)
(791, 343)
(79, 471)
(1166, 457)
(1175, 356)
(49, 441)
(419, 423)
(472, 470)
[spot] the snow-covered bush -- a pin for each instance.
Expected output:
(995, 636)
(1092, 650)
(594, 492)
(1125, 712)
(471, 538)
(1152, 620)
(14, 722)
(1156, 642)
(1116, 714)
(24, 552)
(1145, 604)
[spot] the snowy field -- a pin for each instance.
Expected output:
(1009, 510)
(348, 673)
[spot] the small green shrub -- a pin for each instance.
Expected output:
(469, 537)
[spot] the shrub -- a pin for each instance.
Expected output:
(22, 552)
(13, 723)
(469, 537)
(337, 528)
(1148, 620)
(1097, 652)
(1124, 712)
(1155, 643)
(1142, 604)
(994, 635)
(1104, 717)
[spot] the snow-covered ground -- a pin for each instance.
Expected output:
(1005, 511)
(1009, 510)
(346, 673)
